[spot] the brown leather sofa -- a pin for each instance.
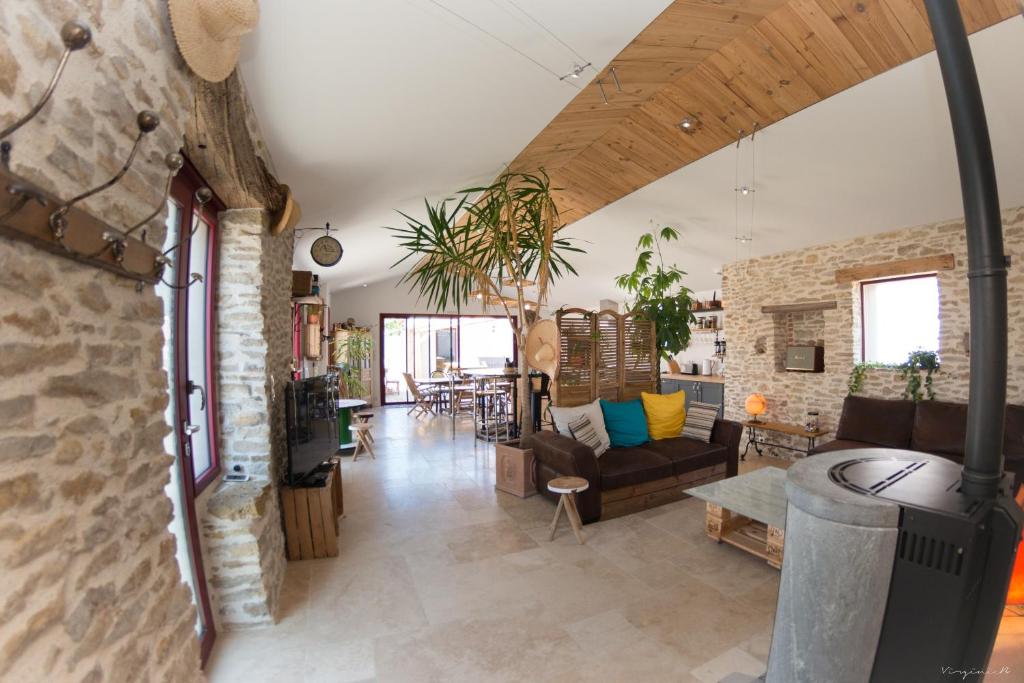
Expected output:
(935, 427)
(626, 480)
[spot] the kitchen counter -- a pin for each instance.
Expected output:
(713, 379)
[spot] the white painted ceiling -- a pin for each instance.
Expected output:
(368, 107)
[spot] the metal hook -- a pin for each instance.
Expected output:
(24, 195)
(196, 277)
(75, 35)
(116, 239)
(147, 122)
(202, 197)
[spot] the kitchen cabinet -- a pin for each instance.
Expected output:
(702, 391)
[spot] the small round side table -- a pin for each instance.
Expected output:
(568, 487)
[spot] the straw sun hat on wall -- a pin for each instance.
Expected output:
(209, 33)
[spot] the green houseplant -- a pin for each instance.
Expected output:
(349, 357)
(492, 239)
(910, 370)
(658, 293)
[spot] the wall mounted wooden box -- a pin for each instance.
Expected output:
(302, 282)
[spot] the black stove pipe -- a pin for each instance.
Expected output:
(986, 261)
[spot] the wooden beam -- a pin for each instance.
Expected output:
(910, 266)
(222, 141)
(800, 308)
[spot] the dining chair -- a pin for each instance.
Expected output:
(423, 401)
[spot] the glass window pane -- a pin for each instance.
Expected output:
(202, 453)
(900, 316)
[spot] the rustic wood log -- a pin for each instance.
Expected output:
(223, 142)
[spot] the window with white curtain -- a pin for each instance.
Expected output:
(899, 316)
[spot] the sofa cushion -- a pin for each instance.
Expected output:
(939, 428)
(877, 421)
(665, 413)
(700, 421)
(630, 466)
(583, 431)
(562, 416)
(688, 454)
(841, 445)
(625, 422)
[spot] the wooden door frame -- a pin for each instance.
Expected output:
(182, 192)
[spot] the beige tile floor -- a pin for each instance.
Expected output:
(441, 578)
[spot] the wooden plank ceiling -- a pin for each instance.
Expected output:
(728, 64)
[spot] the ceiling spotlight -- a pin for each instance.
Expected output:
(365, 285)
(689, 125)
(745, 190)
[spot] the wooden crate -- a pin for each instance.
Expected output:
(311, 518)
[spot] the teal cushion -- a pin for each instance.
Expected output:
(625, 422)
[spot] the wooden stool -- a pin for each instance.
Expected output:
(568, 487)
(362, 434)
(364, 418)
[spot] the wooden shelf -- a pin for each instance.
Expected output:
(708, 310)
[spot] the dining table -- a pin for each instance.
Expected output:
(345, 407)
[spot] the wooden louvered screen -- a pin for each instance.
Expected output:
(576, 371)
(639, 366)
(606, 370)
(604, 355)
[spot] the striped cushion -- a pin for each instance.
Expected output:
(583, 431)
(700, 420)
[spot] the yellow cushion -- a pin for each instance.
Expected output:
(666, 413)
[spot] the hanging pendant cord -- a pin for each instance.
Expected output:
(583, 60)
(497, 39)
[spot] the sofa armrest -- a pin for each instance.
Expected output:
(566, 456)
(570, 458)
(729, 434)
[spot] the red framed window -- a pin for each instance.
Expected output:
(195, 324)
(190, 358)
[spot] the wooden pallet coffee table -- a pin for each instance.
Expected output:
(748, 512)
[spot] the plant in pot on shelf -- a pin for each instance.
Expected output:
(491, 245)
(659, 295)
(917, 389)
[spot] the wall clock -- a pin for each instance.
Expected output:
(326, 250)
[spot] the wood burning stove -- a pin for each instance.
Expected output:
(936, 544)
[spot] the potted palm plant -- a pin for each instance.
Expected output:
(491, 244)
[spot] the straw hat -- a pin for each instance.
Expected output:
(209, 33)
(543, 345)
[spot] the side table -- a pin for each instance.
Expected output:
(755, 426)
(568, 487)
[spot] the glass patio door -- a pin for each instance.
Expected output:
(424, 345)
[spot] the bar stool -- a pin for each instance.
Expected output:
(568, 487)
(362, 433)
(364, 418)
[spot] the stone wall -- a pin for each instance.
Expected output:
(243, 538)
(808, 275)
(91, 590)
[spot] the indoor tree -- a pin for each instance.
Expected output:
(658, 292)
(490, 240)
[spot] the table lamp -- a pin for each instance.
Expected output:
(755, 405)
